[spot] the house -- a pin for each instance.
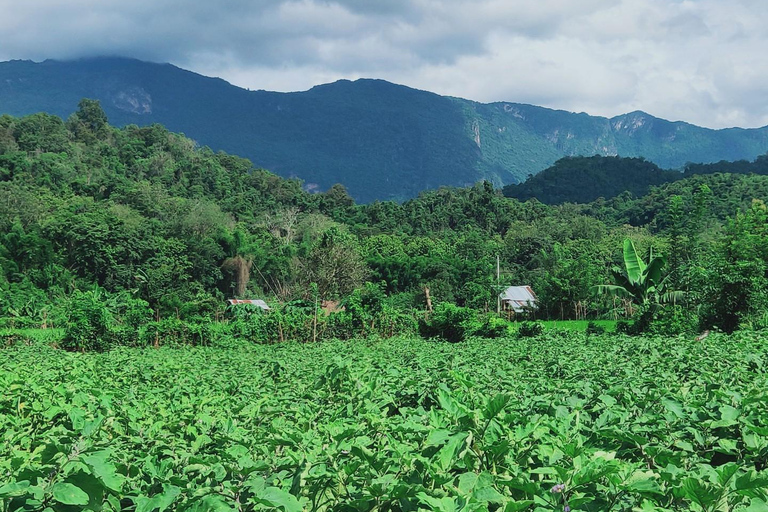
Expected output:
(519, 299)
(254, 302)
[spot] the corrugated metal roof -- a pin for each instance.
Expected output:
(255, 302)
(519, 298)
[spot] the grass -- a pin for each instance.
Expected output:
(573, 325)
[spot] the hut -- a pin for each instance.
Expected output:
(519, 299)
(253, 302)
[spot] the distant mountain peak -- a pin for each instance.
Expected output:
(381, 140)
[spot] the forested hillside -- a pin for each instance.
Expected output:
(381, 140)
(143, 214)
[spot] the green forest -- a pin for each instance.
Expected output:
(141, 226)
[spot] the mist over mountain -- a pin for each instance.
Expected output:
(381, 140)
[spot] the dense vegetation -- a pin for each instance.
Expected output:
(557, 422)
(125, 239)
(383, 141)
(143, 224)
(585, 179)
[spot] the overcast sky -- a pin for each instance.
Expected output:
(702, 61)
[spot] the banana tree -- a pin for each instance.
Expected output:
(640, 281)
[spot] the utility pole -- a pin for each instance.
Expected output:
(498, 287)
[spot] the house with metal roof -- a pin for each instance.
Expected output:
(520, 299)
(253, 302)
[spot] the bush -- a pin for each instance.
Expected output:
(623, 327)
(530, 329)
(671, 320)
(88, 325)
(492, 327)
(449, 322)
(593, 328)
(174, 332)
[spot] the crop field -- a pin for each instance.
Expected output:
(564, 421)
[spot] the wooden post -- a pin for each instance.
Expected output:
(314, 322)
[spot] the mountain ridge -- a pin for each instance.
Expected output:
(381, 140)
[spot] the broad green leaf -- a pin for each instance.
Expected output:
(751, 480)
(633, 262)
(757, 505)
(450, 451)
(105, 471)
(437, 437)
(495, 406)
(69, 494)
(14, 489)
(674, 407)
(644, 482)
(467, 482)
(278, 498)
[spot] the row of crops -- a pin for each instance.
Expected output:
(564, 421)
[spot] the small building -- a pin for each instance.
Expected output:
(254, 302)
(520, 299)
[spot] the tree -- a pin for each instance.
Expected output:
(642, 282)
(90, 122)
(335, 264)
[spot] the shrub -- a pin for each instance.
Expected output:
(593, 328)
(88, 325)
(530, 329)
(492, 326)
(449, 322)
(671, 320)
(174, 332)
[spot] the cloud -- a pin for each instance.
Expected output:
(703, 61)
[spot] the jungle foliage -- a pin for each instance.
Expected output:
(110, 231)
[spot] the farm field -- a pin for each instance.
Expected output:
(564, 421)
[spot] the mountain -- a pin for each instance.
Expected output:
(381, 140)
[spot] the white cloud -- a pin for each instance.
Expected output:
(703, 61)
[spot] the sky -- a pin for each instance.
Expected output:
(701, 61)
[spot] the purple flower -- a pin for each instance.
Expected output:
(558, 488)
(567, 508)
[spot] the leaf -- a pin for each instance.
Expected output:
(643, 481)
(488, 494)
(14, 489)
(751, 480)
(467, 482)
(726, 472)
(69, 494)
(728, 413)
(516, 506)
(445, 504)
(495, 406)
(437, 437)
(275, 497)
(757, 505)
(105, 471)
(699, 493)
(448, 453)
(163, 501)
(449, 403)
(633, 263)
(674, 407)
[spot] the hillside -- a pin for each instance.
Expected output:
(585, 179)
(382, 141)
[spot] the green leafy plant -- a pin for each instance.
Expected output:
(89, 322)
(529, 329)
